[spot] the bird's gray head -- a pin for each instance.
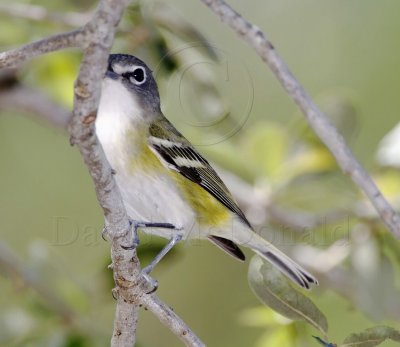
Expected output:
(136, 77)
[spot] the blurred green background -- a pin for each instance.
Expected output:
(224, 99)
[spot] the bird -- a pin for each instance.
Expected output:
(169, 189)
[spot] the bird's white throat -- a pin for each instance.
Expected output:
(118, 112)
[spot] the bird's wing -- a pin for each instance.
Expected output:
(178, 154)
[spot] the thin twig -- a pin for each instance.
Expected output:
(29, 100)
(73, 19)
(168, 317)
(11, 263)
(317, 120)
(25, 276)
(253, 198)
(18, 56)
(39, 13)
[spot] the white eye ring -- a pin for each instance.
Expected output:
(133, 79)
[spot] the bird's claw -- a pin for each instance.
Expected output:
(152, 284)
(114, 293)
(131, 246)
(104, 233)
(133, 235)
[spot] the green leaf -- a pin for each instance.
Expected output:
(371, 337)
(274, 290)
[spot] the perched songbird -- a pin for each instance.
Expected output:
(168, 187)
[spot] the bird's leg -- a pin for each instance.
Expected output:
(171, 243)
(135, 225)
(149, 268)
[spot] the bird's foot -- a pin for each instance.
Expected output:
(152, 283)
(104, 233)
(135, 225)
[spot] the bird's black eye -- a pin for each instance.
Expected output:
(137, 76)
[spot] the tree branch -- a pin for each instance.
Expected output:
(32, 101)
(169, 318)
(317, 120)
(18, 56)
(39, 13)
(11, 263)
(252, 198)
(26, 276)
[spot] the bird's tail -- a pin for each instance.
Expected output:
(288, 266)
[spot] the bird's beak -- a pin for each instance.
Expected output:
(111, 74)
